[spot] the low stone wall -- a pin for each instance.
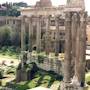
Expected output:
(48, 64)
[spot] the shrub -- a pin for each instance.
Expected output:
(88, 78)
(9, 37)
(4, 49)
(40, 59)
(11, 70)
(5, 36)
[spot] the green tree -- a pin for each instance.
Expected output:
(15, 38)
(5, 36)
(12, 10)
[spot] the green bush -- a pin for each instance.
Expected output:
(88, 78)
(40, 59)
(11, 70)
(4, 49)
(5, 35)
(9, 37)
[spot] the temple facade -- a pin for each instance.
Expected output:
(42, 7)
(57, 30)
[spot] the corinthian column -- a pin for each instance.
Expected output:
(38, 41)
(57, 38)
(74, 33)
(67, 62)
(30, 34)
(81, 48)
(47, 38)
(23, 34)
(23, 41)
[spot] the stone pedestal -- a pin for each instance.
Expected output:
(70, 86)
(21, 75)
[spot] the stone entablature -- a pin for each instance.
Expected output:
(42, 7)
(4, 20)
(13, 22)
(41, 11)
(76, 4)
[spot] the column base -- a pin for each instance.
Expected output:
(70, 86)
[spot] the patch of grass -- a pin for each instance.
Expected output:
(21, 86)
(41, 78)
(11, 70)
(88, 78)
(9, 52)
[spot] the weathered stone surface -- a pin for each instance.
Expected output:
(38, 37)
(76, 38)
(76, 4)
(68, 49)
(44, 3)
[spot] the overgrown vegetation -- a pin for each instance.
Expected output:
(11, 51)
(40, 59)
(39, 77)
(11, 9)
(9, 37)
(88, 78)
(9, 41)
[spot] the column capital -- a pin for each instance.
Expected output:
(68, 16)
(83, 16)
(75, 17)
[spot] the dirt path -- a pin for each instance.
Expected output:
(8, 78)
(7, 60)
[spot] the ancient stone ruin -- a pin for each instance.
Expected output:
(75, 42)
(58, 34)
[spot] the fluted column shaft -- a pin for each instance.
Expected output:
(47, 38)
(57, 38)
(67, 62)
(23, 34)
(74, 35)
(23, 46)
(81, 48)
(38, 41)
(30, 34)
